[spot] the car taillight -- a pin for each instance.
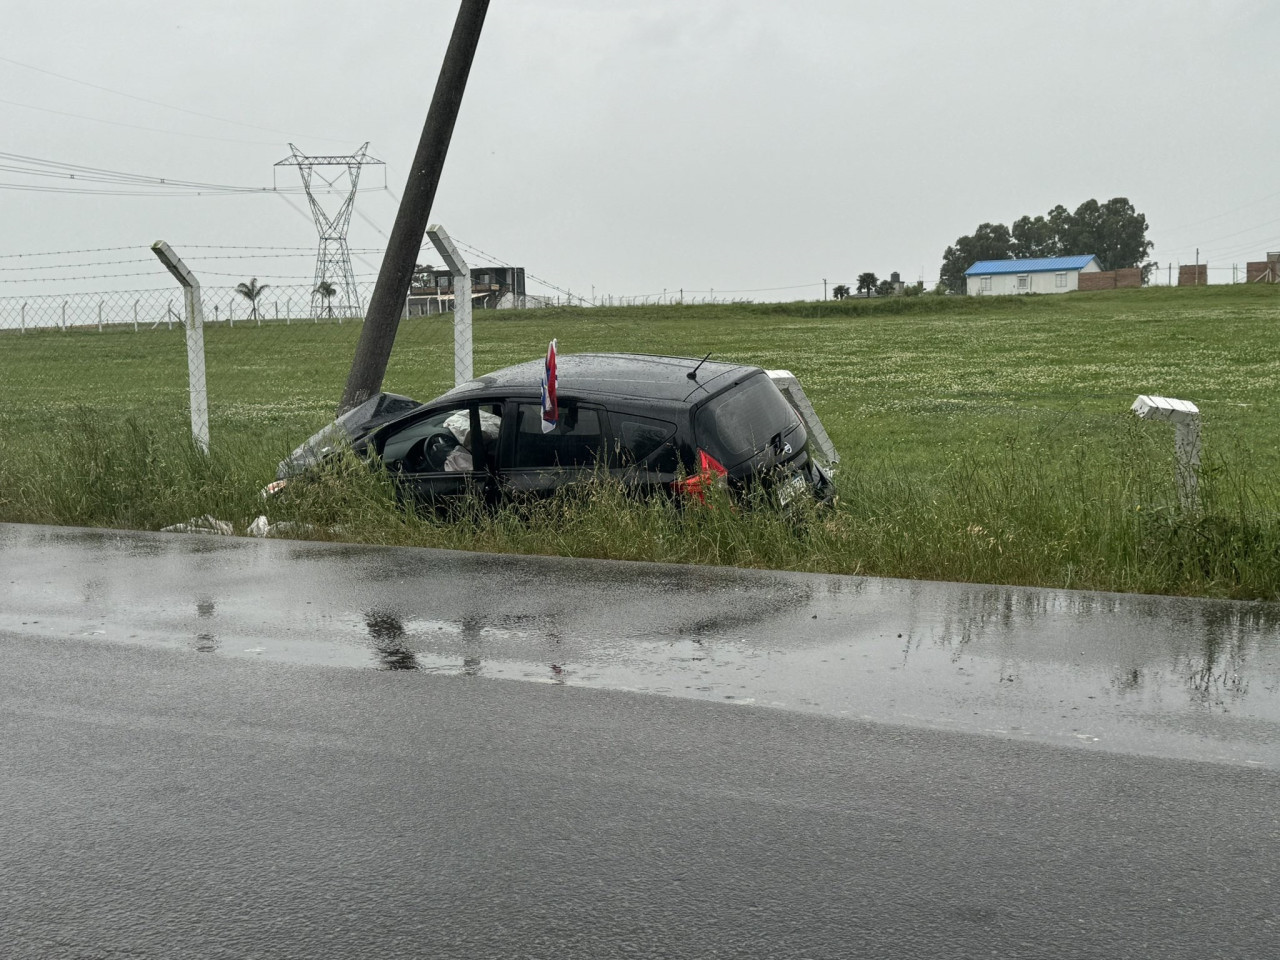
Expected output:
(710, 472)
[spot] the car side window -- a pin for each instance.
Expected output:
(576, 441)
(642, 439)
(438, 443)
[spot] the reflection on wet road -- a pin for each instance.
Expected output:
(1162, 676)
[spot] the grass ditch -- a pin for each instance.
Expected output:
(1093, 509)
(983, 439)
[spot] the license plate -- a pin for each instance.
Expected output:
(788, 490)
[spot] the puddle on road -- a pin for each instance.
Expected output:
(1155, 675)
(1047, 668)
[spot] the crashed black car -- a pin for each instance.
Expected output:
(670, 424)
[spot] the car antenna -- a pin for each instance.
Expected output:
(693, 374)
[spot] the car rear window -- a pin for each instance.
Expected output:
(741, 421)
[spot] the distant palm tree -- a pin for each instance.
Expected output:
(251, 291)
(867, 282)
(840, 291)
(328, 291)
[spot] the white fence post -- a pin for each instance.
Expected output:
(461, 302)
(195, 341)
(789, 386)
(1185, 416)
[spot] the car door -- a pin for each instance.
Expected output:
(537, 462)
(443, 454)
(645, 453)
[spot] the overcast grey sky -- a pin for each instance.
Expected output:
(643, 145)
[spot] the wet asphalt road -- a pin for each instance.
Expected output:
(197, 797)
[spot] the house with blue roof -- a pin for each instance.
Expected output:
(1044, 275)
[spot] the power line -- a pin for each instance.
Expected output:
(99, 192)
(156, 186)
(369, 220)
(38, 166)
(1218, 216)
(1237, 233)
(794, 286)
(502, 263)
(33, 188)
(135, 126)
(157, 103)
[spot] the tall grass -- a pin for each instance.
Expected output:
(1092, 509)
(126, 473)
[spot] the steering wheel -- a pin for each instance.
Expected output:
(428, 454)
(437, 448)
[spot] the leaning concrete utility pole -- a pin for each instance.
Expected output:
(387, 303)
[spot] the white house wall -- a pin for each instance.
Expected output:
(1038, 282)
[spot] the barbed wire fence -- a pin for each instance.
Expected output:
(90, 328)
(114, 353)
(115, 316)
(276, 346)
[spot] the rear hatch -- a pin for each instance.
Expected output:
(752, 431)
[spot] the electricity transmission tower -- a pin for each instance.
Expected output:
(333, 261)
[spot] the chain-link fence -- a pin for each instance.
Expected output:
(150, 309)
(274, 366)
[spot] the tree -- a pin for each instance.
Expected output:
(991, 241)
(251, 291)
(328, 291)
(840, 291)
(867, 282)
(884, 288)
(1114, 232)
(1035, 238)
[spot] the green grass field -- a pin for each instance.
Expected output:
(981, 439)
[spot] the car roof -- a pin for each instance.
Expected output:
(633, 375)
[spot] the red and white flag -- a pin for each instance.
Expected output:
(550, 406)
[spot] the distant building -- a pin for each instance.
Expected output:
(1263, 271)
(1044, 275)
(1193, 275)
(491, 288)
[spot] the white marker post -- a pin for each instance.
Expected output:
(1185, 416)
(461, 302)
(195, 341)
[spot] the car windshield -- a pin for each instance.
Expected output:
(342, 431)
(740, 422)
